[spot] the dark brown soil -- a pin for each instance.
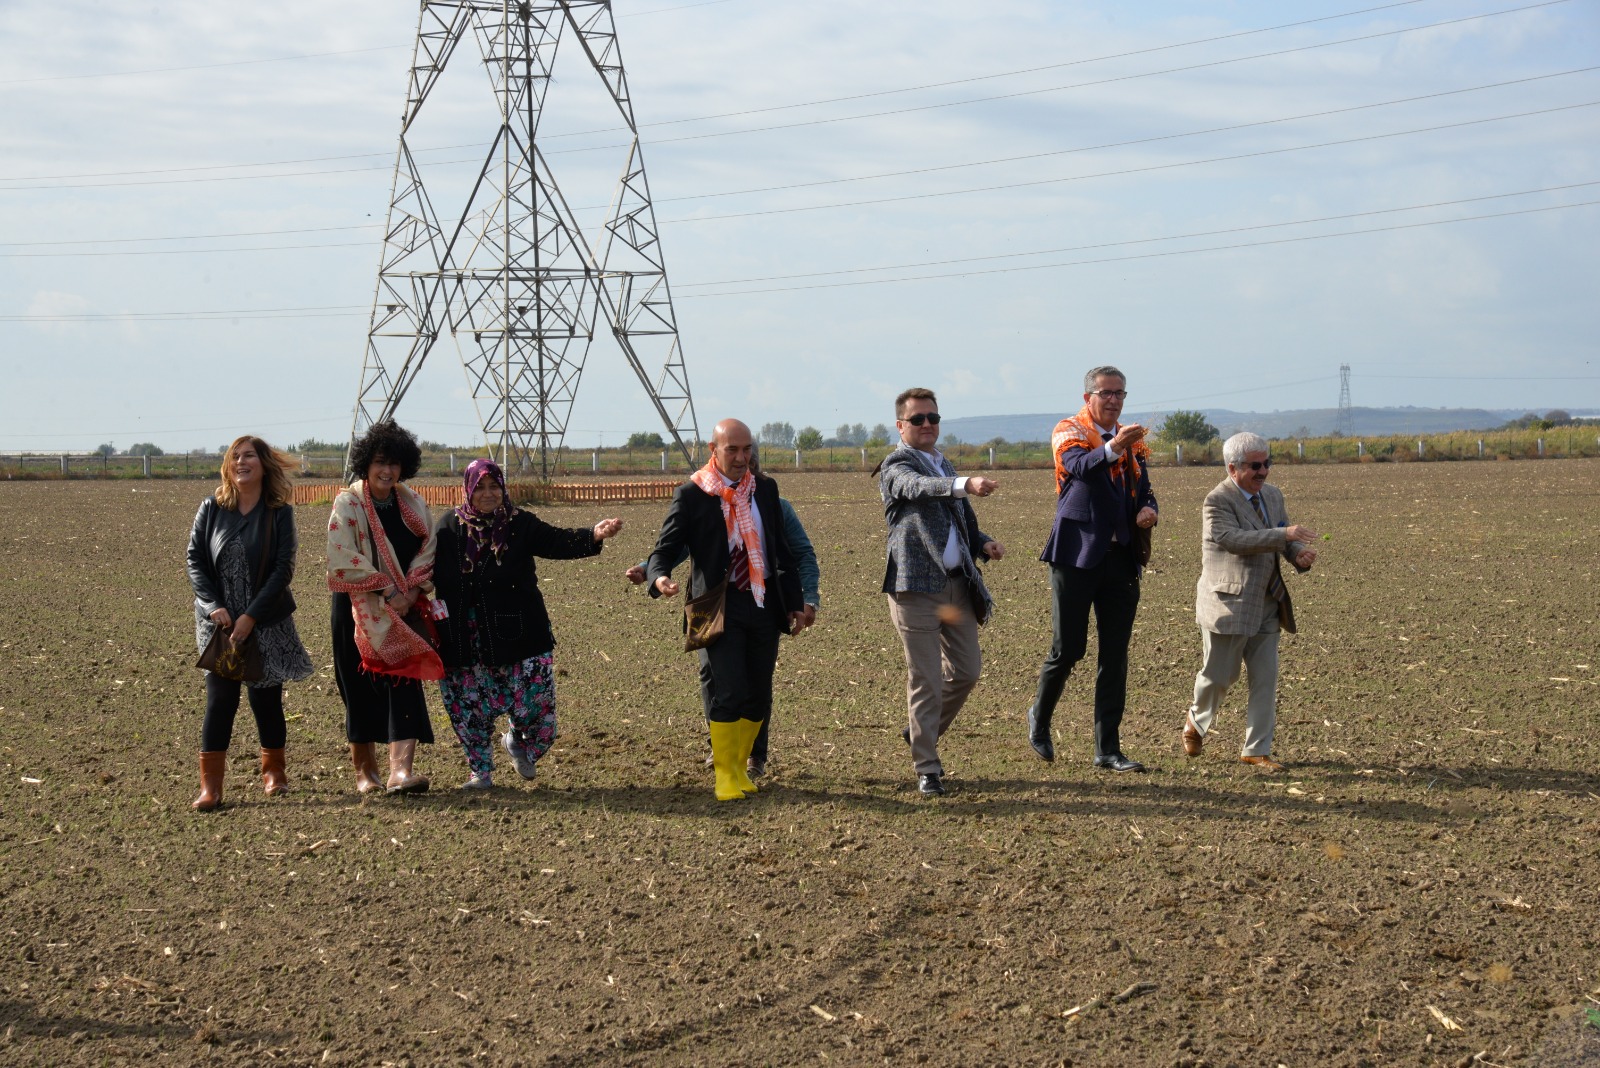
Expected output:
(1419, 889)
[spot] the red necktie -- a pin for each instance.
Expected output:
(739, 566)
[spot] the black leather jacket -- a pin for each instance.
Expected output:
(214, 525)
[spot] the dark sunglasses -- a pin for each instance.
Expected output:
(1258, 465)
(922, 417)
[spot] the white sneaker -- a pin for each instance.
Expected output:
(477, 782)
(525, 767)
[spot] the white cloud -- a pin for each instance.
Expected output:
(822, 355)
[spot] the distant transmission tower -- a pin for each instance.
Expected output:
(511, 277)
(1345, 422)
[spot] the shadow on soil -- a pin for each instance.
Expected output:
(20, 1019)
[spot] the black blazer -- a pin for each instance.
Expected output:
(694, 523)
(214, 526)
(512, 621)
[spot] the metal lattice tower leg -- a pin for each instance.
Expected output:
(512, 276)
(1345, 420)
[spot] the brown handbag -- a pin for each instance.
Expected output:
(242, 662)
(703, 615)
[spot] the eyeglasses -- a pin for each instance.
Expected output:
(1257, 465)
(1114, 394)
(922, 417)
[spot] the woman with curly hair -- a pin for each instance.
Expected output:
(497, 642)
(237, 591)
(380, 569)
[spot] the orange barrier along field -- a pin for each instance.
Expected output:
(449, 496)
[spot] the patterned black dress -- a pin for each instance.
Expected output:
(378, 708)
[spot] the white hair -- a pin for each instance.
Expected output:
(1236, 448)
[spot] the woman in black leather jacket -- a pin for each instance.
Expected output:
(496, 643)
(225, 558)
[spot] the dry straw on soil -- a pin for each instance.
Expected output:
(1419, 889)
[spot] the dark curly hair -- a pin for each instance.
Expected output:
(390, 441)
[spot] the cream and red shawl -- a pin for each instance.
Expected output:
(362, 563)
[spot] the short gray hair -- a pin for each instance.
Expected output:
(1242, 444)
(1094, 373)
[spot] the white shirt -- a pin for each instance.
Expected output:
(1111, 454)
(952, 545)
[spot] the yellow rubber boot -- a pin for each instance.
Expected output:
(748, 729)
(726, 740)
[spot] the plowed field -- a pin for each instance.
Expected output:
(1419, 889)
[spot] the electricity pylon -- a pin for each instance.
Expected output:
(1345, 423)
(512, 277)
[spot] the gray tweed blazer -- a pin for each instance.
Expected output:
(919, 507)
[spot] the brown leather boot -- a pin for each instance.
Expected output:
(366, 765)
(212, 765)
(274, 780)
(401, 779)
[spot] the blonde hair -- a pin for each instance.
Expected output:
(275, 468)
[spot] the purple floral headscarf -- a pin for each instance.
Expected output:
(486, 531)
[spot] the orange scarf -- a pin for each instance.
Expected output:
(737, 503)
(1079, 432)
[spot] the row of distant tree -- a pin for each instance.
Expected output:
(1181, 427)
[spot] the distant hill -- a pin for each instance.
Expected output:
(1303, 422)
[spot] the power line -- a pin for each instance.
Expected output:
(197, 66)
(1085, 85)
(344, 311)
(183, 251)
(1145, 240)
(188, 237)
(836, 181)
(307, 55)
(1009, 73)
(1144, 256)
(847, 118)
(1134, 170)
(1129, 144)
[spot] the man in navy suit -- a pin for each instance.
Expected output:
(1096, 553)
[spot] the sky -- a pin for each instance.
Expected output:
(1228, 200)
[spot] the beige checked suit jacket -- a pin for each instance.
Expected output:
(1236, 559)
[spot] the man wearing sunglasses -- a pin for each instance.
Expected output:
(936, 594)
(1241, 602)
(1097, 549)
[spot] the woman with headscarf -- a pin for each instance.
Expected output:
(380, 569)
(496, 639)
(241, 561)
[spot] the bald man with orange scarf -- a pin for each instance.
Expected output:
(727, 519)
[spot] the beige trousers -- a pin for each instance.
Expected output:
(940, 639)
(1223, 656)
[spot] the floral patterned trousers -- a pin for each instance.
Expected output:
(525, 692)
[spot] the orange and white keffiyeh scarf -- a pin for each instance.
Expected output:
(1079, 432)
(738, 503)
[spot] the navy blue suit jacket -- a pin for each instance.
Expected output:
(1093, 511)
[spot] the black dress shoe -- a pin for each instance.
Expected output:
(755, 768)
(1117, 762)
(1039, 736)
(930, 785)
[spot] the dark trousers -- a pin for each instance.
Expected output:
(741, 662)
(758, 752)
(222, 704)
(1111, 588)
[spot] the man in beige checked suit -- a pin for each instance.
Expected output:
(1240, 601)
